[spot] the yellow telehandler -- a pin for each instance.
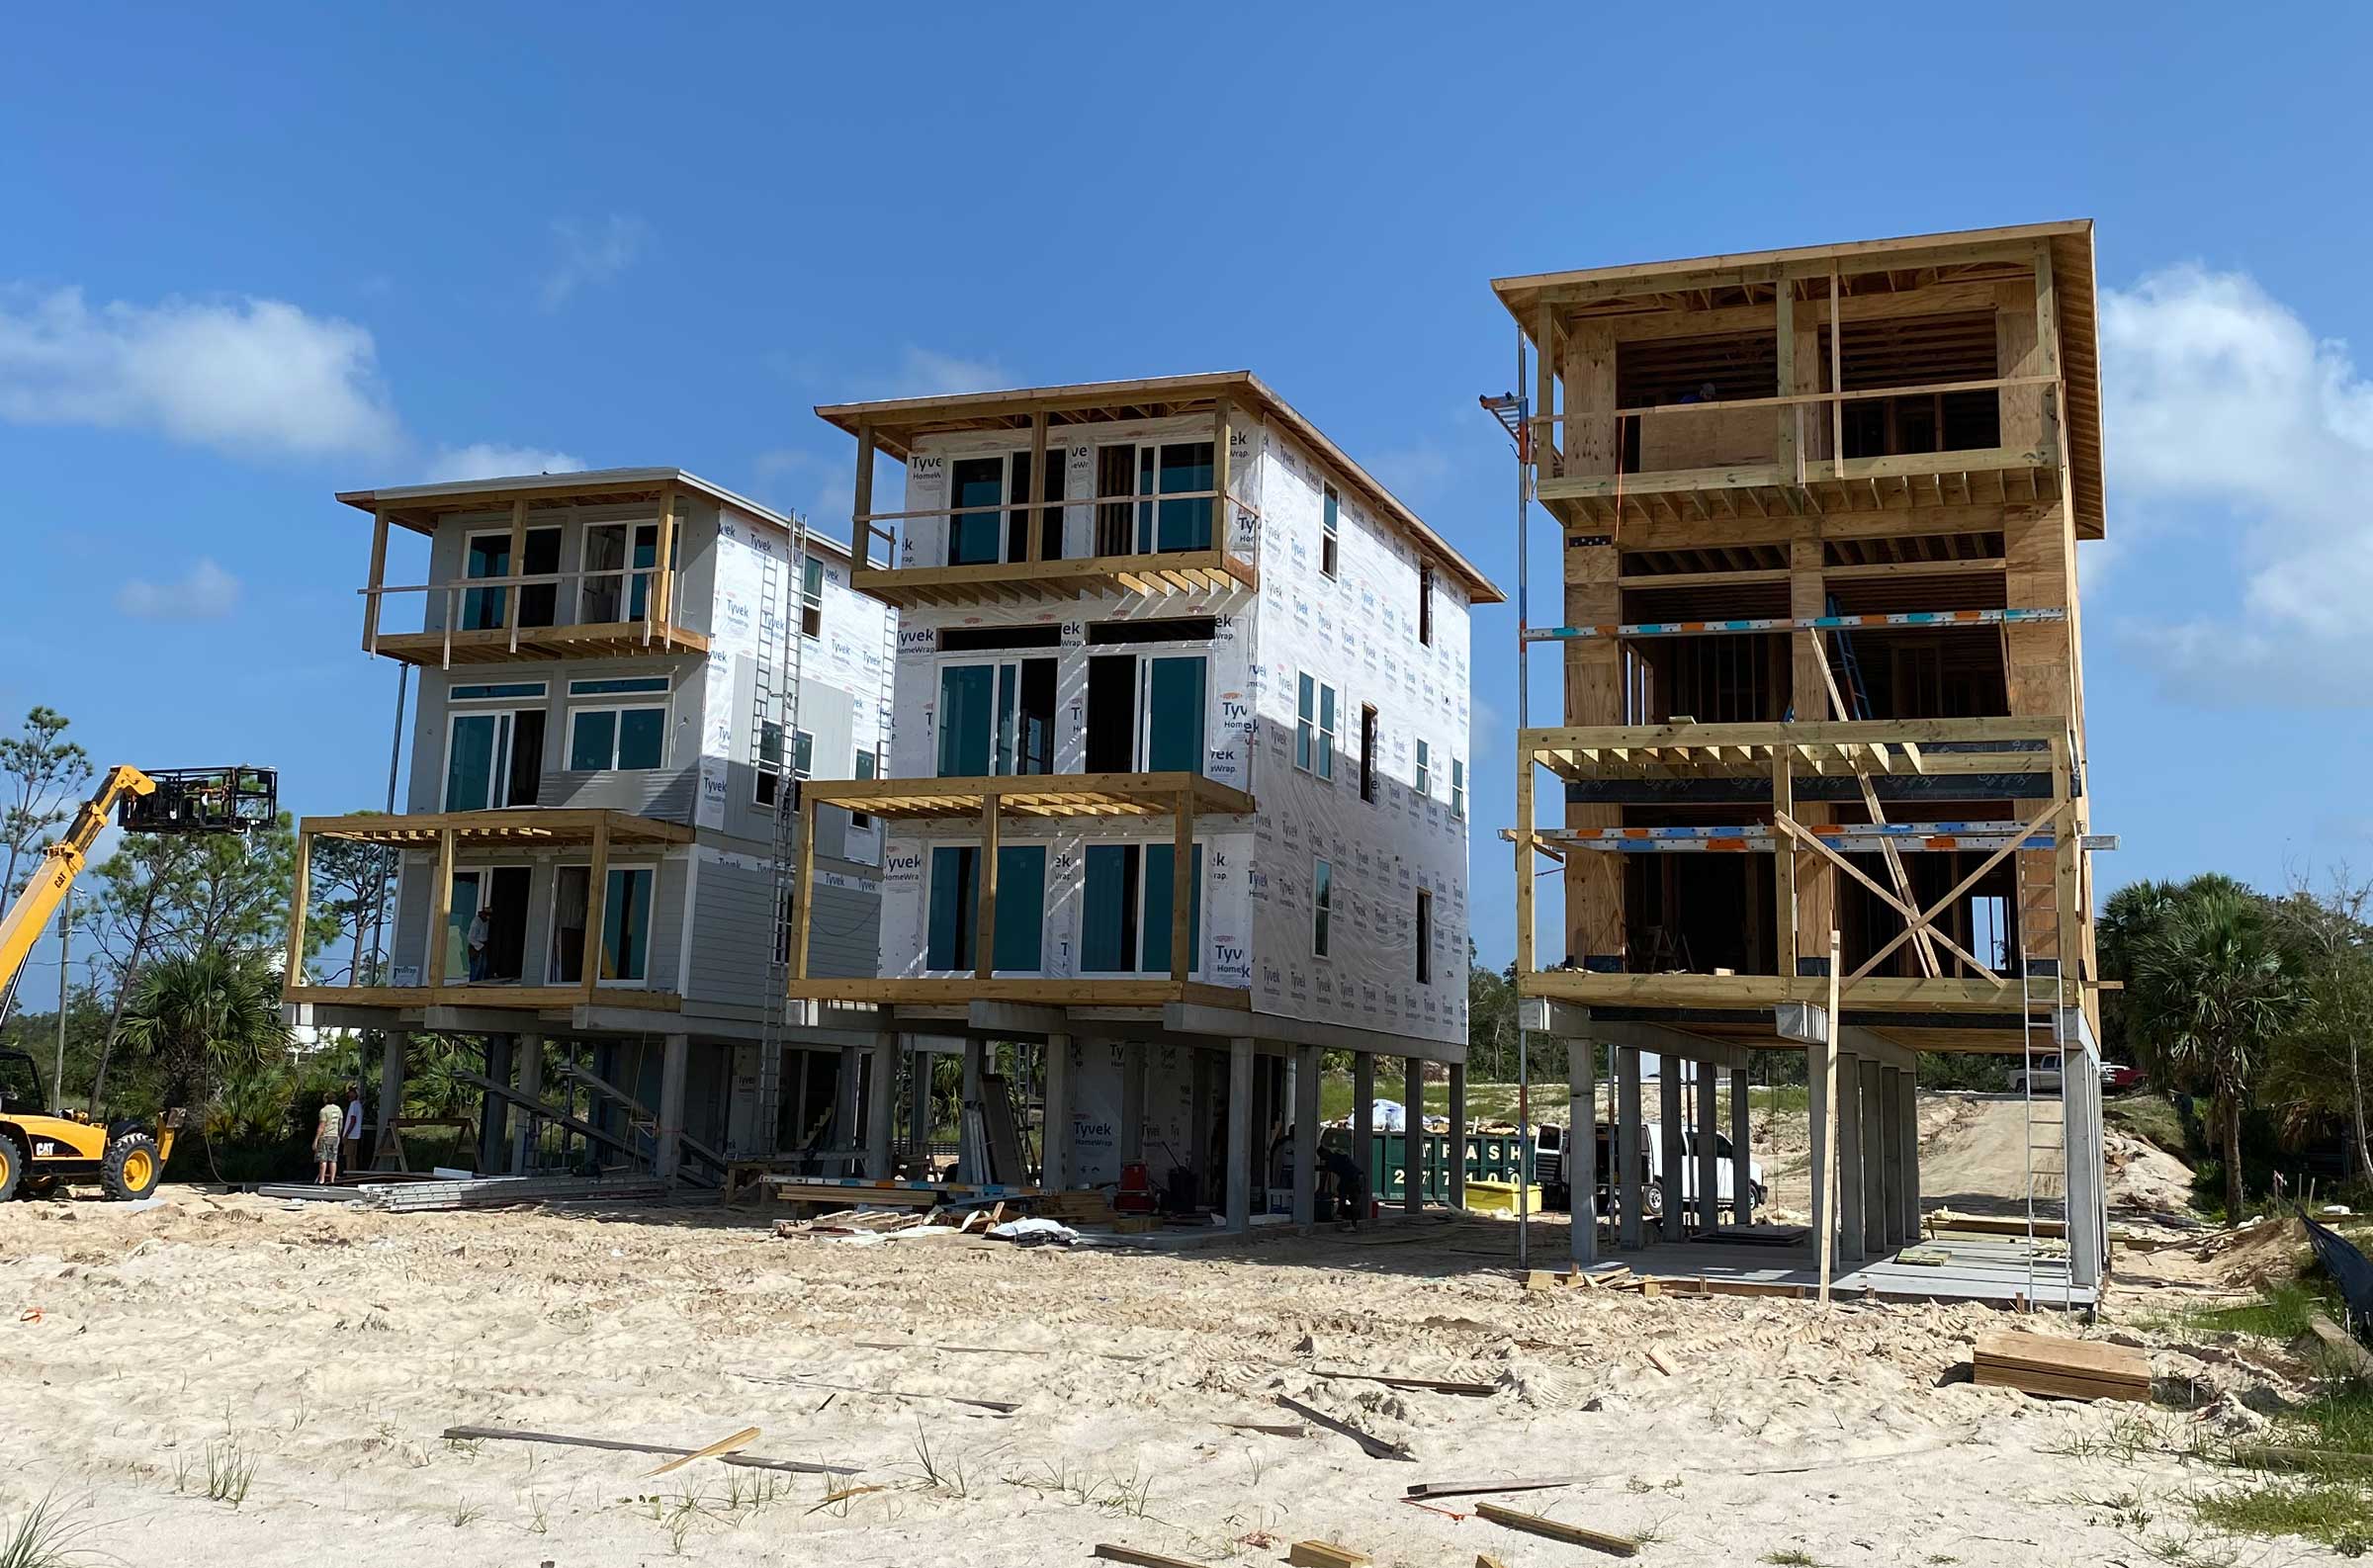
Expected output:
(39, 1148)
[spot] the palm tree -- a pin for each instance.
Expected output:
(2212, 988)
(199, 1016)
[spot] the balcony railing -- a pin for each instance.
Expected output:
(447, 834)
(486, 620)
(1181, 796)
(1782, 472)
(1118, 562)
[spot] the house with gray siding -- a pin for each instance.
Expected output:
(624, 679)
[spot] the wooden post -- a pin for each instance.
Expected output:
(861, 530)
(1788, 448)
(440, 910)
(518, 564)
(1837, 381)
(597, 899)
(378, 577)
(2047, 342)
(657, 603)
(294, 974)
(1220, 476)
(984, 920)
(1784, 868)
(1544, 395)
(804, 907)
(1033, 522)
(1828, 1153)
(1526, 963)
(1182, 890)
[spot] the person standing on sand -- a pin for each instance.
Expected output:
(326, 1127)
(351, 1135)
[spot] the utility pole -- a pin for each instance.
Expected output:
(66, 930)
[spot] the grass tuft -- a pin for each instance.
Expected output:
(43, 1537)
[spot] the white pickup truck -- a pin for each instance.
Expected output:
(1551, 1146)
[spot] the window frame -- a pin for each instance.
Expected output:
(551, 927)
(1423, 778)
(1330, 532)
(810, 597)
(1371, 752)
(501, 595)
(1425, 936)
(1314, 736)
(506, 714)
(998, 667)
(617, 735)
(968, 906)
(1458, 789)
(1322, 908)
(762, 772)
(627, 575)
(1149, 916)
(1425, 603)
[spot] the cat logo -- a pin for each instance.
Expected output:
(45, 1149)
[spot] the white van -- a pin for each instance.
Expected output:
(1550, 1165)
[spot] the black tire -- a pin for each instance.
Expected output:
(1651, 1200)
(133, 1168)
(12, 1167)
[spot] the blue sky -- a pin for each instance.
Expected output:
(256, 254)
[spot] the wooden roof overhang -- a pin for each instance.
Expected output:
(896, 424)
(520, 827)
(1033, 795)
(419, 506)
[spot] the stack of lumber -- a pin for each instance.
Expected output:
(2061, 1368)
(850, 1222)
(1085, 1207)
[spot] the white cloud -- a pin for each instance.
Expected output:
(591, 255)
(205, 592)
(2219, 396)
(489, 461)
(924, 372)
(244, 375)
(1412, 471)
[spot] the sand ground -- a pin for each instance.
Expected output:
(328, 1348)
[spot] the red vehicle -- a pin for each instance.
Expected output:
(2117, 1078)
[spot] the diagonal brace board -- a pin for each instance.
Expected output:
(1896, 873)
(2043, 818)
(1914, 921)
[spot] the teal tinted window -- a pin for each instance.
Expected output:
(618, 685)
(1184, 525)
(490, 556)
(642, 737)
(967, 705)
(626, 926)
(1158, 861)
(470, 763)
(955, 890)
(972, 537)
(1174, 742)
(517, 688)
(592, 741)
(1109, 916)
(1020, 906)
